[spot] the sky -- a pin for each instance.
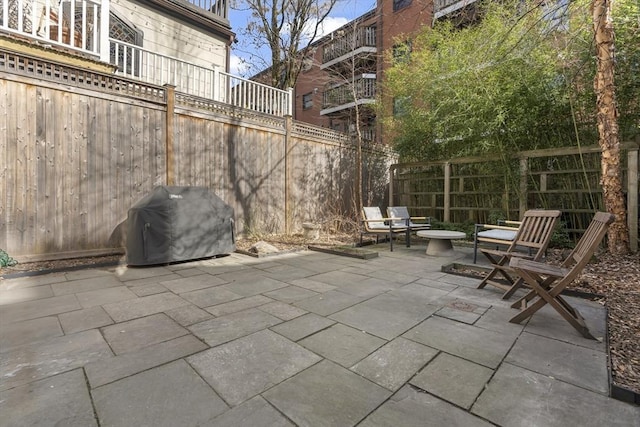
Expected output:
(343, 12)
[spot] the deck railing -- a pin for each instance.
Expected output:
(73, 24)
(212, 83)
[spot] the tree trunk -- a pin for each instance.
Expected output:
(607, 119)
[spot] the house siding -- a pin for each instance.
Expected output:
(167, 34)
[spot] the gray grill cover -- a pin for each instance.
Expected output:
(178, 224)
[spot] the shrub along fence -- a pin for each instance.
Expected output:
(477, 189)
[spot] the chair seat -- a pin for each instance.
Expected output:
(498, 234)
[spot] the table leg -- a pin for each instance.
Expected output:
(439, 247)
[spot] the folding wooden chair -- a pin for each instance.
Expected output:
(403, 219)
(533, 237)
(548, 281)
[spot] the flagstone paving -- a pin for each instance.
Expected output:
(298, 339)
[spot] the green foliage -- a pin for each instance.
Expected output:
(515, 81)
(495, 216)
(466, 227)
(6, 260)
(560, 237)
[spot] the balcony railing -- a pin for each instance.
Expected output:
(361, 91)
(217, 7)
(350, 43)
(444, 7)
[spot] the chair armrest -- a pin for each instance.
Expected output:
(536, 267)
(388, 224)
(515, 224)
(381, 219)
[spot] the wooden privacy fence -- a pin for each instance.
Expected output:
(474, 188)
(78, 148)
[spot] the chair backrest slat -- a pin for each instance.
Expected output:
(588, 243)
(536, 230)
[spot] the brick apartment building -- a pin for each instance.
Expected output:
(344, 69)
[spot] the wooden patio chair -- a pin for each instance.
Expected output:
(403, 219)
(548, 281)
(530, 242)
(374, 223)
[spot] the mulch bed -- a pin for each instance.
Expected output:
(616, 278)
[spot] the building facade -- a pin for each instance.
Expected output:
(340, 78)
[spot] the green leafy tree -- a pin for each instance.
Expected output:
(522, 78)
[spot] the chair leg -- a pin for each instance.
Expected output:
(550, 295)
(475, 250)
(493, 272)
(517, 284)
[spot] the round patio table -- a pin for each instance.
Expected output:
(440, 241)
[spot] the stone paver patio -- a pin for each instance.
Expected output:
(299, 339)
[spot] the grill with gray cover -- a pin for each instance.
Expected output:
(178, 224)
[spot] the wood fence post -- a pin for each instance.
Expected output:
(632, 198)
(288, 126)
(170, 99)
(524, 172)
(447, 192)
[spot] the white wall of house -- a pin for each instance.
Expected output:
(164, 34)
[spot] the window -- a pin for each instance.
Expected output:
(400, 4)
(307, 101)
(402, 52)
(127, 58)
(400, 106)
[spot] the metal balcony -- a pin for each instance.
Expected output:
(361, 90)
(445, 7)
(346, 45)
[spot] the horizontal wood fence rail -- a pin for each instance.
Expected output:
(77, 150)
(472, 188)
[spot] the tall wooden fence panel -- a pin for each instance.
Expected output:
(77, 149)
(475, 189)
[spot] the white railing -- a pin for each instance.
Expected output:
(255, 96)
(211, 83)
(73, 24)
(217, 7)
